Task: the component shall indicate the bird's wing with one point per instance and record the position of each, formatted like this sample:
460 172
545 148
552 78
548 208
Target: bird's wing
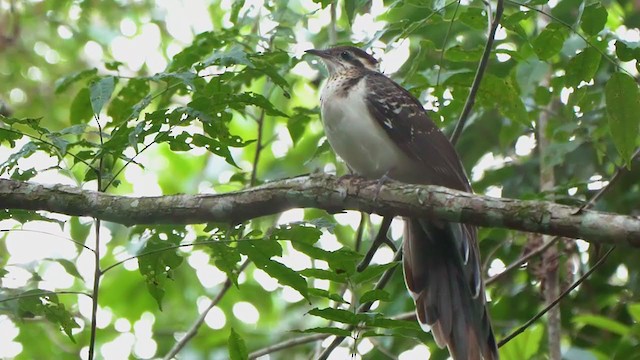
442 260
404 119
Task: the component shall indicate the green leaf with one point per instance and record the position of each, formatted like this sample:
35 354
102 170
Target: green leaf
339 315
261 251
525 345
373 295
297 233
594 18
326 294
550 41
504 95
372 272
157 263
233 56
324 274
327 330
351 8
474 17
460 54
603 323
237 347
65 82
583 67
101 91
122 106
81 109
623 106
634 311
626 52
69 266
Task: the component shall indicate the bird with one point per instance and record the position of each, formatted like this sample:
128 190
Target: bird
382 131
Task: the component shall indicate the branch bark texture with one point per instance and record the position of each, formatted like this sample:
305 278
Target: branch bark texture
331 194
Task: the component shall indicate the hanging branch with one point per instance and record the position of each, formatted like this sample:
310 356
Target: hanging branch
482 67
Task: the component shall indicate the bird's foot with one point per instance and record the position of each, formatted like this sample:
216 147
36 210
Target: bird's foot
383 179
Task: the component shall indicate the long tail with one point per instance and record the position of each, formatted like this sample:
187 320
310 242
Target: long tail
442 272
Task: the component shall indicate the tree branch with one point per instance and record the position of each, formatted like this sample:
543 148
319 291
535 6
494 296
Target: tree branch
331 194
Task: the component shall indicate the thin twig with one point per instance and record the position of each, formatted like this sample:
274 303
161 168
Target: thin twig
333 37
380 239
482 66
444 41
516 264
259 147
288 344
556 301
97 274
196 325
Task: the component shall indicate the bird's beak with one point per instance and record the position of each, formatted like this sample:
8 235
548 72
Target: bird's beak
320 53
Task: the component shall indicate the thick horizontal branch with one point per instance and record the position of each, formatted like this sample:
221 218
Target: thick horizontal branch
331 194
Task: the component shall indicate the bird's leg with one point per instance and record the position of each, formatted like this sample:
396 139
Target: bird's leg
384 178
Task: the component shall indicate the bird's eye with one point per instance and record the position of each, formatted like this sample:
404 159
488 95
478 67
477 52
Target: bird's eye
345 55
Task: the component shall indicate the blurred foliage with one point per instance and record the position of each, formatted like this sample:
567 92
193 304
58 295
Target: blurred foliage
232 103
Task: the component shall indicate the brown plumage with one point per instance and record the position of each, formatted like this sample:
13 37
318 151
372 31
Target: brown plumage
380 129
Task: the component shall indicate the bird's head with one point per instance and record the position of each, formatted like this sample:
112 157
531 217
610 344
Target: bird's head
342 58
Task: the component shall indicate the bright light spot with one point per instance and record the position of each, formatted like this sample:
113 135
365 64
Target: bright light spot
502 57
349 218
572 191
341 353
384 255
348 296
145 183
621 277
34 73
365 26
293 258
418 352
246 312
128 27
494 191
394 59
291 295
118 348
122 325
397 228
145 348
525 144
17 95
93 51
497 267
64 32
582 245
8 348
501 33
280 147
328 241
488 162
321 284
596 182
27 246
291 216
365 346
56 277
265 280
564 95
215 318
210 275
15 277
198 259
